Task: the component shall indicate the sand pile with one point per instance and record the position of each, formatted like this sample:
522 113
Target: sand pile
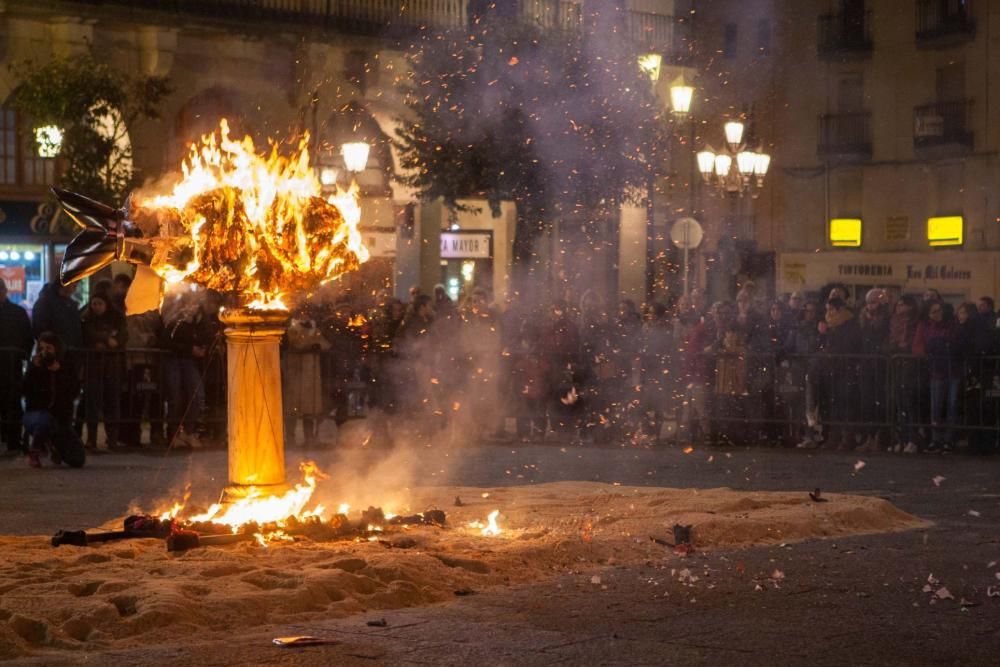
109 596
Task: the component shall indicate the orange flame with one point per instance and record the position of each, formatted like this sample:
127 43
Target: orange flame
490 528
261 508
253 224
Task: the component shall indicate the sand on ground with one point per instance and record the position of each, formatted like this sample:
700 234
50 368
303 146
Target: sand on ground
115 595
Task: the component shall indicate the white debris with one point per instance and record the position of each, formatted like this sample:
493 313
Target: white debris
595 580
974 513
944 594
937 480
859 465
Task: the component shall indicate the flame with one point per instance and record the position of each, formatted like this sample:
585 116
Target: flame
261 508
358 320
253 224
490 529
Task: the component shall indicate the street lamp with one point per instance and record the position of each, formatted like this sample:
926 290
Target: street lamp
738 169
680 98
355 154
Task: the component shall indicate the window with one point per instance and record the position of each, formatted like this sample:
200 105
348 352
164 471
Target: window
764 37
729 46
361 69
845 232
19 160
945 231
8 146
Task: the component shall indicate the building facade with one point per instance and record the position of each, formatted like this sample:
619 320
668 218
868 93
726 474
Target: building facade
881 116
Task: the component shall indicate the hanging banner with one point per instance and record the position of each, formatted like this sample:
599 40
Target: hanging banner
14 277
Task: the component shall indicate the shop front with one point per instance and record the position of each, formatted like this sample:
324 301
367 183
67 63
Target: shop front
466 262
957 275
33 237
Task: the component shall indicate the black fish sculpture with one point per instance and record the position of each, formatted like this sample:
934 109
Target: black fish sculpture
107 236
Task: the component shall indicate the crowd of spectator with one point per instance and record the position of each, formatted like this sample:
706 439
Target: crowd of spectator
910 375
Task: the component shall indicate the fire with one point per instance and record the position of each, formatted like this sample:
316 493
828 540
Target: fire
258 507
253 224
490 529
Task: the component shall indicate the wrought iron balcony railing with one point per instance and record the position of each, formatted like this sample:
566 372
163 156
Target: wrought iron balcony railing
943 124
844 35
944 22
845 136
661 33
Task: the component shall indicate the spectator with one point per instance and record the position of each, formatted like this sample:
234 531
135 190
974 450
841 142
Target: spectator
15 346
803 343
730 383
765 349
56 311
561 344
874 323
145 395
902 329
934 340
188 336
842 340
50 388
657 377
104 337
119 290
530 373
302 379
796 302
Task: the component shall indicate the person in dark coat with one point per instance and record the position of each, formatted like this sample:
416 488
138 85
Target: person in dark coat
15 346
801 374
935 340
56 311
188 335
902 329
104 337
873 397
50 388
841 342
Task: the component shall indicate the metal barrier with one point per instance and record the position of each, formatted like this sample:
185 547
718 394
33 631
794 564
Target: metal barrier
736 396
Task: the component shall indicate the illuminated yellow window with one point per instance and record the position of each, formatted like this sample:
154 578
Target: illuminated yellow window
845 232
650 64
945 231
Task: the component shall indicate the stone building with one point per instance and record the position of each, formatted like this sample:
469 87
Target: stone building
883 135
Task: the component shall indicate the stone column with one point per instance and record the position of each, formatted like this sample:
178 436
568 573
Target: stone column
256 418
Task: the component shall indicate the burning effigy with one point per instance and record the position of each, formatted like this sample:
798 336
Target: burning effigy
254 226
248 224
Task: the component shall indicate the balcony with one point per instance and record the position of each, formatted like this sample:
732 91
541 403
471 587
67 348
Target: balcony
844 36
845 137
943 126
670 36
944 23
388 18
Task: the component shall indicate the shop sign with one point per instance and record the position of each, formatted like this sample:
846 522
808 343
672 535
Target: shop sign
468 245
25 218
14 277
908 271
379 243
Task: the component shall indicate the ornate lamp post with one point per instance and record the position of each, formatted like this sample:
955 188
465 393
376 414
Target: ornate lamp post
737 169
681 96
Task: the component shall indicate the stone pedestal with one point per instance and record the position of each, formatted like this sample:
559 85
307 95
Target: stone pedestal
256 418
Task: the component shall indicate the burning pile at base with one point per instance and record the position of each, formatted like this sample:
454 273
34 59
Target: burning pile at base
258 517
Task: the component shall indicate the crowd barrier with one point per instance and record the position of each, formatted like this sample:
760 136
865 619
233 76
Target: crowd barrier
747 396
